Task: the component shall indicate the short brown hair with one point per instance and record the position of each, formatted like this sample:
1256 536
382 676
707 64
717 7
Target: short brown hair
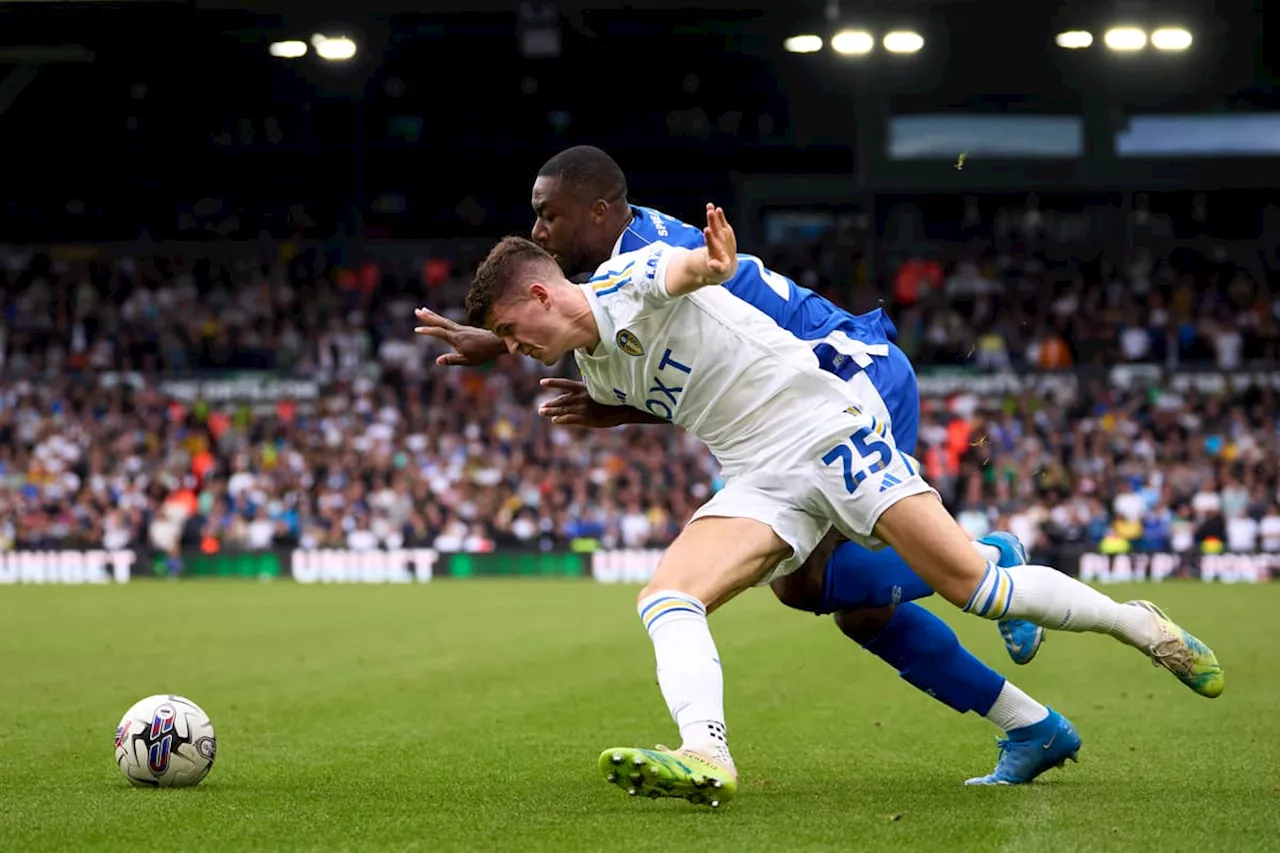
509 263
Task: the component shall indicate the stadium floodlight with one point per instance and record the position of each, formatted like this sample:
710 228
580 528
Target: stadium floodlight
803 44
851 42
288 49
1125 38
903 41
334 50
1074 39
1171 38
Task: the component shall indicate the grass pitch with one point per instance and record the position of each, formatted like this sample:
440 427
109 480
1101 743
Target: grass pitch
468 716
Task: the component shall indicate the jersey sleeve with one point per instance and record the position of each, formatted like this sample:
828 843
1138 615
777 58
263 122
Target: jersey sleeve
635 282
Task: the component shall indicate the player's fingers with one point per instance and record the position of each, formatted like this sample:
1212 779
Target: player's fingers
426 315
451 358
562 403
563 384
569 420
435 332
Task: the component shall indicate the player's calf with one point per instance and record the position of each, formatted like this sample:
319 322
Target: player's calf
930 540
713 560
864 625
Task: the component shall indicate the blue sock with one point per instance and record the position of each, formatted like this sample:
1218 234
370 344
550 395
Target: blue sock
928 655
858 577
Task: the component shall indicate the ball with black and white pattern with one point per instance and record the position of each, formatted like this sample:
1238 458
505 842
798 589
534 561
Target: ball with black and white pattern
165 741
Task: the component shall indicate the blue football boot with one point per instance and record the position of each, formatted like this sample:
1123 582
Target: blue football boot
1022 639
1029 751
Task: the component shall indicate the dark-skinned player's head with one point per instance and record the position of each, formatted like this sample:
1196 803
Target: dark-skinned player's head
580 199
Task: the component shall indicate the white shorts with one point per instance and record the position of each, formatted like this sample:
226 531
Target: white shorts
844 472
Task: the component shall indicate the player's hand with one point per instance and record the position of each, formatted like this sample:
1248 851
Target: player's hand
472 347
722 245
574 407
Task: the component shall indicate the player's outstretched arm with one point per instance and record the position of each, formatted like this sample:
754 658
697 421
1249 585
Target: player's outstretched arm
575 407
472 347
690 270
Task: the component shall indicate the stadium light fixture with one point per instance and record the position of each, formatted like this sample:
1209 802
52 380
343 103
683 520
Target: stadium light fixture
803 44
335 50
1171 38
850 42
903 41
1074 39
1125 39
288 49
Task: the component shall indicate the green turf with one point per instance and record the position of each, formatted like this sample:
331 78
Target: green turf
468 716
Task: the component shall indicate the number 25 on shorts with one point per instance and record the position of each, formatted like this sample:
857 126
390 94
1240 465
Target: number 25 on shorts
866 443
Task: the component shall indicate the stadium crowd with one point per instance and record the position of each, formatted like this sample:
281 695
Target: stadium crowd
394 452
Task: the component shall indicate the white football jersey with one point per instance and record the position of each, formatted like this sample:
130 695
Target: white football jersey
708 362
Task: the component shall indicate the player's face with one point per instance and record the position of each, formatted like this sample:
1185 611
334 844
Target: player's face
528 326
567 227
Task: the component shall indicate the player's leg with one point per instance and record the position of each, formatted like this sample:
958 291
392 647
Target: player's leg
1022 639
928 655
843 575
889 385
890 392
712 560
928 538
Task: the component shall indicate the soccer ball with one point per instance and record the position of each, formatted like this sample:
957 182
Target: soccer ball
165 742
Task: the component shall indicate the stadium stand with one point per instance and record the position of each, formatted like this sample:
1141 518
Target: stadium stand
106 440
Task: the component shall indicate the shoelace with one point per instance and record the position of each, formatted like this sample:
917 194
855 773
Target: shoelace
1173 655
661 748
1003 744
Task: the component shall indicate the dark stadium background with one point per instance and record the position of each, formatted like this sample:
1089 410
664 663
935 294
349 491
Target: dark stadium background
1087 324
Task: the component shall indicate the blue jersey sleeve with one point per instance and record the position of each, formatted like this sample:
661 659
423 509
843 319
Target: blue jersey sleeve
653 226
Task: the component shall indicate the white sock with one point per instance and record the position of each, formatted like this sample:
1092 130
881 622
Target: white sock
688 670
990 553
1047 597
1014 709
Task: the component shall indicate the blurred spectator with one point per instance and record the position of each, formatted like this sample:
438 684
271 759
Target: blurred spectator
398 454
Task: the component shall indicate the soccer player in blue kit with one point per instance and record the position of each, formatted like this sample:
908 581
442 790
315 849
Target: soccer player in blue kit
583 220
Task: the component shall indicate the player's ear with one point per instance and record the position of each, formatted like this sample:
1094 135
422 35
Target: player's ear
599 209
540 294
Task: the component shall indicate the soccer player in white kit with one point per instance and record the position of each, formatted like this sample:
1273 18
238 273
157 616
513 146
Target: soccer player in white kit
798 454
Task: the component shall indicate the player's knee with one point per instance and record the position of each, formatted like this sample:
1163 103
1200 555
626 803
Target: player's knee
804 589
863 625
800 590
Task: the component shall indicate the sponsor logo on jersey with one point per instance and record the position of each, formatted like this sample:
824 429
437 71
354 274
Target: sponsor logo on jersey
658 224
629 343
